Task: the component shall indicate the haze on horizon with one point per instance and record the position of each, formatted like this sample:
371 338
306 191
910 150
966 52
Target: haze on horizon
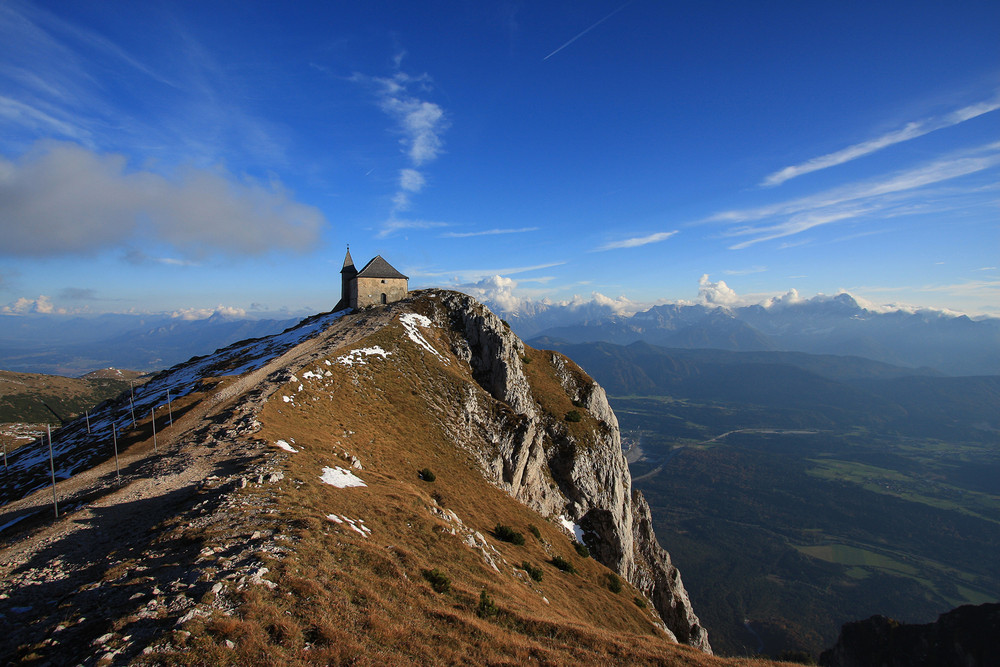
157 157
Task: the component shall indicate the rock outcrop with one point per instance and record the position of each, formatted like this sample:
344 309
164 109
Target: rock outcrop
968 636
535 457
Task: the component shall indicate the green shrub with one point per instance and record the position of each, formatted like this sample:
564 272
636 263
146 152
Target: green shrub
563 564
426 475
582 549
533 529
487 608
438 580
533 572
577 403
614 583
573 416
508 534
526 360
639 602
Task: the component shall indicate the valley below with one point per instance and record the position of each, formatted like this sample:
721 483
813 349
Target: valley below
784 534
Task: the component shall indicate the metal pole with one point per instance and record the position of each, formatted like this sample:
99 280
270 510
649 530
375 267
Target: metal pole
5 453
170 413
52 467
131 405
152 417
114 436
87 414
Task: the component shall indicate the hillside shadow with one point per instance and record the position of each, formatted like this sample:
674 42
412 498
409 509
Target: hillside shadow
114 566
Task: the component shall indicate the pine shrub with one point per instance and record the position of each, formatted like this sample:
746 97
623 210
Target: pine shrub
438 580
426 474
533 529
562 564
487 608
508 534
582 550
573 416
614 583
533 572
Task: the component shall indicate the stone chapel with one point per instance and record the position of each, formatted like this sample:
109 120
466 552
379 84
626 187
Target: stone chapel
378 283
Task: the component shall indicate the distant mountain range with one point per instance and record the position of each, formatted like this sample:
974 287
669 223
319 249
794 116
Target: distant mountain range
928 339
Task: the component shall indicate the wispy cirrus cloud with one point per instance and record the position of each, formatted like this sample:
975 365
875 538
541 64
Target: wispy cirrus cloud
420 124
390 227
905 133
488 232
472 275
889 196
635 242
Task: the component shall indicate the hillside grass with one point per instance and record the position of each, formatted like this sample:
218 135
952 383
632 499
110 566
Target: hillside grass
344 598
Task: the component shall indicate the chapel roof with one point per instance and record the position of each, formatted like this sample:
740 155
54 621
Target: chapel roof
379 268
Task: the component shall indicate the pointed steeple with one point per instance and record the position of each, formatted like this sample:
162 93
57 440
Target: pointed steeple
348 262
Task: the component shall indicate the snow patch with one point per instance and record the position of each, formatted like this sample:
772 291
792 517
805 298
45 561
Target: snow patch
340 478
288 448
357 525
358 356
572 527
410 322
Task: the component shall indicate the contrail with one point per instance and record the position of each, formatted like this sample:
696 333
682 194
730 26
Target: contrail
588 30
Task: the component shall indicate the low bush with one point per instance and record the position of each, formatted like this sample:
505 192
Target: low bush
562 564
438 580
614 583
487 608
573 416
533 529
426 475
639 602
533 572
508 534
577 403
582 549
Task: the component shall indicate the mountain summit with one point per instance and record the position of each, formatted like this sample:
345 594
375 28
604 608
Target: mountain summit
402 484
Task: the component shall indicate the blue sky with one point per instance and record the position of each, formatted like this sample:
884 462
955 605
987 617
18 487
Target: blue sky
193 156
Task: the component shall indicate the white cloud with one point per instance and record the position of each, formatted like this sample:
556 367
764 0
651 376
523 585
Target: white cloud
888 196
42 305
421 124
488 232
717 294
906 133
637 241
204 313
473 275
61 198
411 180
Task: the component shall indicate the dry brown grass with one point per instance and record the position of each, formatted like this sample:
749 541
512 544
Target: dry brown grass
342 598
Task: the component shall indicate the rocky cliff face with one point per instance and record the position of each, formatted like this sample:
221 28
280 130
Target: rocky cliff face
581 477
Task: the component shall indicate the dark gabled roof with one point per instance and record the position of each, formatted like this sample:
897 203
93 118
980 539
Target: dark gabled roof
379 268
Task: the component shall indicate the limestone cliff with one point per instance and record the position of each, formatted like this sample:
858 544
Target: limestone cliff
538 460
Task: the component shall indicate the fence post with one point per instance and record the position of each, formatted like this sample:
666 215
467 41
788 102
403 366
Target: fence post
87 414
114 436
170 413
152 417
52 467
